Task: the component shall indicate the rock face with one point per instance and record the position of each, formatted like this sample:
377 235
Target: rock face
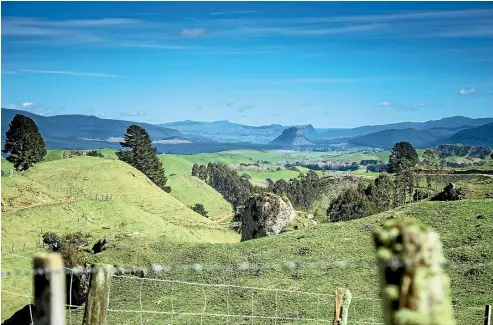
264 215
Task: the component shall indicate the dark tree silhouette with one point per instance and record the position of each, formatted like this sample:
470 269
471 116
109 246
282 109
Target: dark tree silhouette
142 155
199 208
403 156
24 143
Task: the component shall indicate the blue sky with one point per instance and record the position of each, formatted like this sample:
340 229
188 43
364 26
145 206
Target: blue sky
331 64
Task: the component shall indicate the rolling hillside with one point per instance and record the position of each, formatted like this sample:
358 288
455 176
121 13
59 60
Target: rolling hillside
463 233
386 139
82 178
480 136
191 190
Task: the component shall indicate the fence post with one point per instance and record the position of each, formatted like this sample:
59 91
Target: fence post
487 315
343 300
49 290
98 297
413 285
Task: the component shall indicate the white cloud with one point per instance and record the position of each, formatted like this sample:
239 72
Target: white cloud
419 105
384 104
27 104
193 32
134 113
465 91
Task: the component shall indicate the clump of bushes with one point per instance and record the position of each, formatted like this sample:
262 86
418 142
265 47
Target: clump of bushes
94 153
449 193
199 208
52 240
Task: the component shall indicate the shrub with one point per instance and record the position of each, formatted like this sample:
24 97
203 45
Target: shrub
199 208
50 238
449 193
94 153
351 204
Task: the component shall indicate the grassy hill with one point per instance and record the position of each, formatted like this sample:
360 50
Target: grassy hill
465 239
464 234
190 190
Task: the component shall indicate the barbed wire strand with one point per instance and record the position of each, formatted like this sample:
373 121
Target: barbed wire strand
242 266
236 286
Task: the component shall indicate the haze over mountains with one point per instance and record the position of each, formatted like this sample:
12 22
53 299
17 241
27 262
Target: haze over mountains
82 131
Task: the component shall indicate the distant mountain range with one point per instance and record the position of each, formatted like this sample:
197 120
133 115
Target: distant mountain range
225 131
474 136
88 132
453 122
418 133
292 137
479 136
69 131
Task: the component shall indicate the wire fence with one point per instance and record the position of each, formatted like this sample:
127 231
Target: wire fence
145 295
162 301
135 300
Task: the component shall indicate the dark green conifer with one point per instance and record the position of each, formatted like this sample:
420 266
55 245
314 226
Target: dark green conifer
24 143
142 155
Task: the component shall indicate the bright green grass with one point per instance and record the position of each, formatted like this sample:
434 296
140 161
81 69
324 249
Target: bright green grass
191 190
53 155
108 153
6 166
382 156
174 164
362 171
465 239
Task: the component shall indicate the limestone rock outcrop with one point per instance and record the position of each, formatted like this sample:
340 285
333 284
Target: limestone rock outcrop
264 215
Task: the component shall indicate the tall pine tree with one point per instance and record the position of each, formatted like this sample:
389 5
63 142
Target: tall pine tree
403 156
142 155
24 143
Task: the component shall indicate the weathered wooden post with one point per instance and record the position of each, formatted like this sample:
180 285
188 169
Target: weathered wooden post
343 300
487 315
98 297
413 285
49 290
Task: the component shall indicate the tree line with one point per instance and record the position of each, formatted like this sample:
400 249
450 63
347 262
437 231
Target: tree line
389 190
234 188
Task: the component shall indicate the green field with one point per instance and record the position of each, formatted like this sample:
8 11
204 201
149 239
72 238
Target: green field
145 226
465 239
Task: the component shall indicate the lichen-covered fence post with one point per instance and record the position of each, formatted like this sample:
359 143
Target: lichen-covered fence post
98 297
49 290
343 300
413 285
